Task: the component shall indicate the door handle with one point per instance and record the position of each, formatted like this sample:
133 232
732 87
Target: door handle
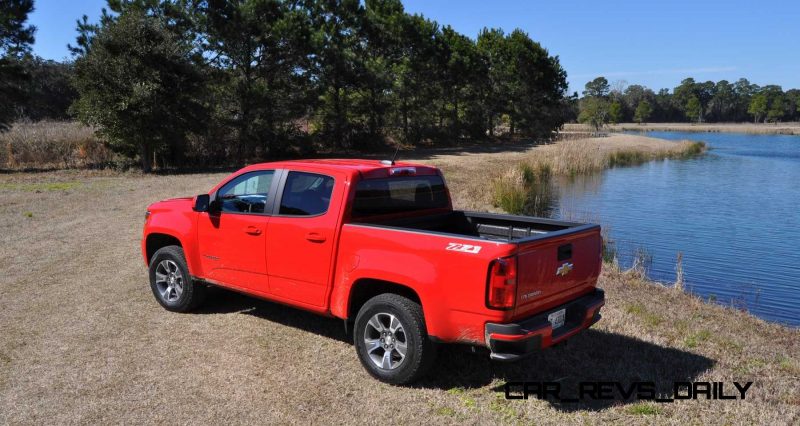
315 237
252 230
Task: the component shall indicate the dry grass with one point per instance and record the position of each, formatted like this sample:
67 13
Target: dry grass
590 155
51 145
752 128
83 341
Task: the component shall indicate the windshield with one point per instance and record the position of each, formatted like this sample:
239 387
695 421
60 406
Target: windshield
399 195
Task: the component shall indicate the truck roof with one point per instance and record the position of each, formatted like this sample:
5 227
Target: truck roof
356 165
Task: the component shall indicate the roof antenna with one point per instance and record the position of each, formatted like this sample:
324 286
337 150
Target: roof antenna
391 162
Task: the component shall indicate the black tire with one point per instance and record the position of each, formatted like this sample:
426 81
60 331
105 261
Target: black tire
192 294
420 350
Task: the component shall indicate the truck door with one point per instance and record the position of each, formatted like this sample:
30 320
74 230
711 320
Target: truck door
300 240
232 241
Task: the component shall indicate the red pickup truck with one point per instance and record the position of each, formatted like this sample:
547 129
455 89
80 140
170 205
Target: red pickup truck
378 244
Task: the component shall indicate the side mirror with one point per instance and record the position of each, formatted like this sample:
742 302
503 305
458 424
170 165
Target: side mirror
201 203
214 207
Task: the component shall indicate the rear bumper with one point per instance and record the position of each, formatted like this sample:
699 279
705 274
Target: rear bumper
513 341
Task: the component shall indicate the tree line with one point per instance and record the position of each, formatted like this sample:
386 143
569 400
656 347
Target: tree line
175 82
691 101
238 80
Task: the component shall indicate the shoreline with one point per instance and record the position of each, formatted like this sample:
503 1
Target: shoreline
464 165
745 128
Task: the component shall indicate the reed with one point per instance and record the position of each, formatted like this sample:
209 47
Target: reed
679 273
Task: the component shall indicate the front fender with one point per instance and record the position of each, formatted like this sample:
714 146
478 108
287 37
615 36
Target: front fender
179 225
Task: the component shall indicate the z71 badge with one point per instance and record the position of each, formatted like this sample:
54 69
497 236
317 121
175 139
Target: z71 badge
465 248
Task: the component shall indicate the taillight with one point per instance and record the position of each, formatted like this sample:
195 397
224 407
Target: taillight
602 247
502 283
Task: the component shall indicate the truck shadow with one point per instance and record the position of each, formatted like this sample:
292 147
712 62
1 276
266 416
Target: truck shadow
591 356
222 301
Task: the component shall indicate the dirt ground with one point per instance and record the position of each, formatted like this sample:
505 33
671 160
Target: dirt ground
82 339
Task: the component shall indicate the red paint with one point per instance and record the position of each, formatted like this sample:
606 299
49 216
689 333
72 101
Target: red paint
313 262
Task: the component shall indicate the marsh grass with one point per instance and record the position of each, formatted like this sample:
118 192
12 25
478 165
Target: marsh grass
610 252
510 191
527 187
586 156
626 158
642 261
693 149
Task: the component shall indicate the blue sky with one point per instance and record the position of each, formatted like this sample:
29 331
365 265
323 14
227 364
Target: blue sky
650 42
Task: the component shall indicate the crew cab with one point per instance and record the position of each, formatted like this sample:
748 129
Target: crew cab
379 245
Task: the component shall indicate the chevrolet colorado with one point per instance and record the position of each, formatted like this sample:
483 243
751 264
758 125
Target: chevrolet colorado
379 245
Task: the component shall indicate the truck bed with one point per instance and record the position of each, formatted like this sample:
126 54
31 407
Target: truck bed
486 226
556 261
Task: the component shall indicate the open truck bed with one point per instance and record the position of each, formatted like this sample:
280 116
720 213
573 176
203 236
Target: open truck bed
554 260
488 226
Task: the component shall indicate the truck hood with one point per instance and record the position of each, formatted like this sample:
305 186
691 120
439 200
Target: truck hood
182 203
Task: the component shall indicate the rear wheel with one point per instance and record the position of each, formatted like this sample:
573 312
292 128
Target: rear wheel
391 340
171 283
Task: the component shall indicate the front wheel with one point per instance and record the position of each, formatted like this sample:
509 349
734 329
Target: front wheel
391 340
171 283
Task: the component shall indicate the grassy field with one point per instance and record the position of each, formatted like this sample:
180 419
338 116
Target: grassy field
83 341
752 128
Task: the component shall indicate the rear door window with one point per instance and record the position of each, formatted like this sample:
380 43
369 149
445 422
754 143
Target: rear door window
306 194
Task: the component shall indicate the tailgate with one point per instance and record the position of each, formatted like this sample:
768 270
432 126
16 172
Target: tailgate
557 267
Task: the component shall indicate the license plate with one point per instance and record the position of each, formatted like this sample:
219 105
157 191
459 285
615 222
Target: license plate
557 318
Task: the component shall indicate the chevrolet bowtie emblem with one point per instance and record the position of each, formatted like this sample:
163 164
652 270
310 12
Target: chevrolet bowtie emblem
564 269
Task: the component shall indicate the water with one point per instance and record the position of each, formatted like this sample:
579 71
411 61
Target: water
733 213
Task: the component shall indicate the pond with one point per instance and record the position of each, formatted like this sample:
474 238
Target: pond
734 214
